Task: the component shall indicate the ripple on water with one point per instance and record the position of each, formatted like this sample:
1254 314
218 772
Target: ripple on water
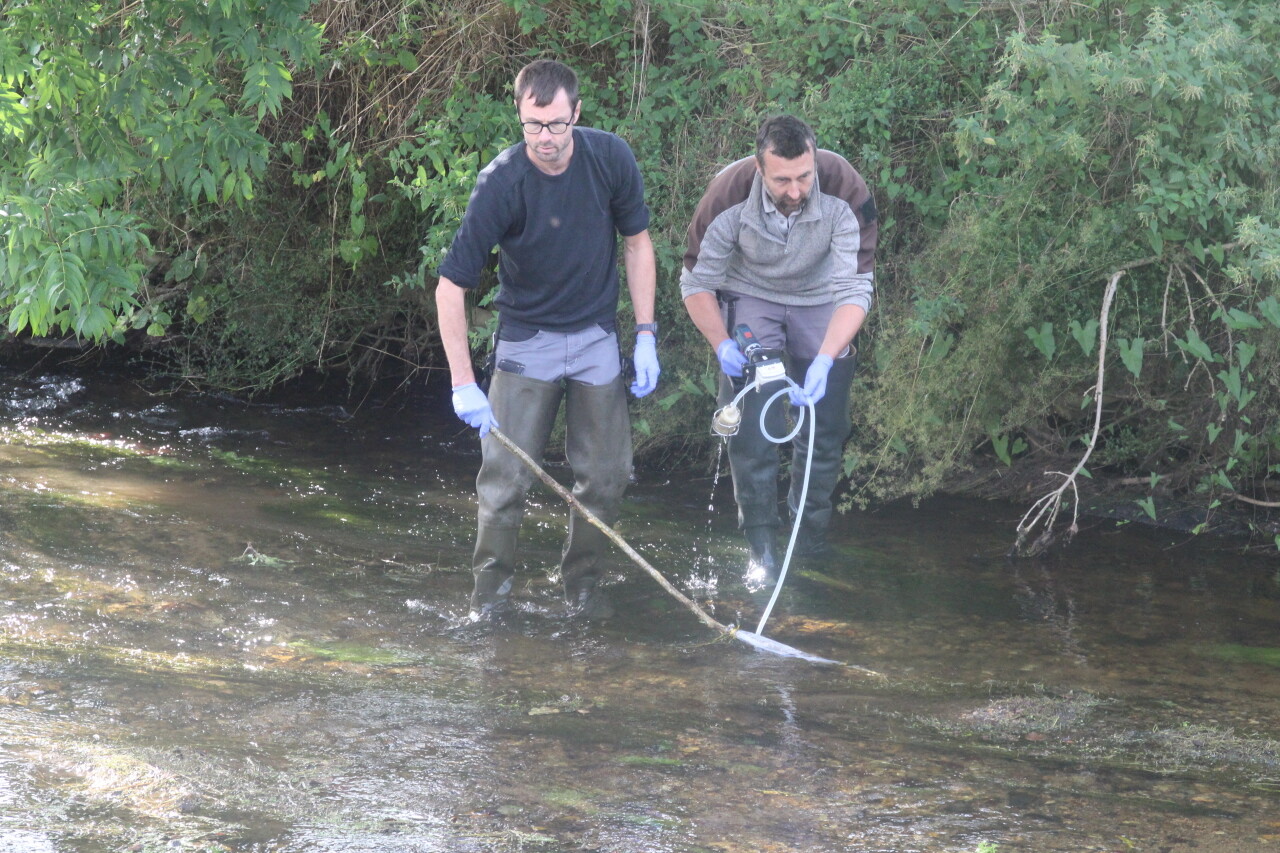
325 695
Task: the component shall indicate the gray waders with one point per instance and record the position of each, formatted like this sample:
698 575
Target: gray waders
753 460
598 447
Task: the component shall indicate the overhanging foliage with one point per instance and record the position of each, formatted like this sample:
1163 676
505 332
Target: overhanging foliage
261 197
102 110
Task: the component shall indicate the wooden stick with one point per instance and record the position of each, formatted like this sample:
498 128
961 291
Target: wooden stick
751 638
702 615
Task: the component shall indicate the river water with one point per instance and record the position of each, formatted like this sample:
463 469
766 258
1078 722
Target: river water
238 626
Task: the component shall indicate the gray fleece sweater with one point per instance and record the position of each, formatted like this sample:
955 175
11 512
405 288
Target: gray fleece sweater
827 256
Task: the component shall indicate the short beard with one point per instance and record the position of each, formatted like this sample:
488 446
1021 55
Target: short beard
787 207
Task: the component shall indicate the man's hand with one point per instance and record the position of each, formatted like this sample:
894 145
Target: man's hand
815 383
470 404
646 362
732 361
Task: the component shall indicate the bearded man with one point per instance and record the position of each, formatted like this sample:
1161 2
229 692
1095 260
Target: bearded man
784 242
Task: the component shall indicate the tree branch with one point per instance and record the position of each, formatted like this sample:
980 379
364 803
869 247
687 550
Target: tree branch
1254 501
1047 508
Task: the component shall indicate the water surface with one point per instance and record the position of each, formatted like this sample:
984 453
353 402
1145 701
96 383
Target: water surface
239 626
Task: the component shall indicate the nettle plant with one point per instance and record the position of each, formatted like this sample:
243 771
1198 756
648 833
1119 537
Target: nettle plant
1175 137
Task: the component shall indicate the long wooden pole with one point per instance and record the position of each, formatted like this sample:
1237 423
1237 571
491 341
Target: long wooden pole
749 637
528 460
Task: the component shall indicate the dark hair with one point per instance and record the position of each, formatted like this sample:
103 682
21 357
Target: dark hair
786 136
542 79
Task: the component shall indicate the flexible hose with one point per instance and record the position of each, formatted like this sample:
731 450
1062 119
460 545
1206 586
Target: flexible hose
809 415
751 638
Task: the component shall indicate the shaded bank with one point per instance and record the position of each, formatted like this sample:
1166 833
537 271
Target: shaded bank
257 231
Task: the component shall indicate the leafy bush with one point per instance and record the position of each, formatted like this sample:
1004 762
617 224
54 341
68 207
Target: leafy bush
213 174
101 111
1157 157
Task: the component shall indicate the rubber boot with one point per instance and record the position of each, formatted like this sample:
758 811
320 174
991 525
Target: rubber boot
526 411
598 447
831 430
765 563
493 565
753 462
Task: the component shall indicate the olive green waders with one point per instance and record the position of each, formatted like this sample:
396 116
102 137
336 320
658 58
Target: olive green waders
753 465
598 448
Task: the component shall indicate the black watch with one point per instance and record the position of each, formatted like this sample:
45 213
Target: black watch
647 327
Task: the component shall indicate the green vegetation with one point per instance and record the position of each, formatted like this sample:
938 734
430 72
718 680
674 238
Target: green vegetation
650 760
122 126
1234 653
258 189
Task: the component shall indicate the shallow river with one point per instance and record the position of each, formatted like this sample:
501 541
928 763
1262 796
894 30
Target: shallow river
234 626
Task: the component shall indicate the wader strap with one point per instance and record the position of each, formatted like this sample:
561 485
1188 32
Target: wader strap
730 303
729 300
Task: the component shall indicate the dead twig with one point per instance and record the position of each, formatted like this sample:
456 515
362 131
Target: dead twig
1044 512
1236 496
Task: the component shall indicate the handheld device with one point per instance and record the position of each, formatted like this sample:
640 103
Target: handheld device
765 364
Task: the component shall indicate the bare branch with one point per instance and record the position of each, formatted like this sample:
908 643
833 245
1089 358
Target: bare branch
1047 508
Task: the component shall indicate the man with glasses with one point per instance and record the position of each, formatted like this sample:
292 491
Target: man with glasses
784 242
554 205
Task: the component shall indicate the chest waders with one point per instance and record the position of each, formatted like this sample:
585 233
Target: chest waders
832 425
598 449
755 639
754 465
755 478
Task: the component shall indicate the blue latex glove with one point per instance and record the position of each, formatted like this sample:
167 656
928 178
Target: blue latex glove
815 383
732 361
646 361
470 404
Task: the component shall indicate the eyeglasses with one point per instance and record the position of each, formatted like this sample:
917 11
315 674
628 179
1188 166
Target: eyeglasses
533 128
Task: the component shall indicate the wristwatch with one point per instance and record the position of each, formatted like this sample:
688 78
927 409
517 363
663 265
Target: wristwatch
647 327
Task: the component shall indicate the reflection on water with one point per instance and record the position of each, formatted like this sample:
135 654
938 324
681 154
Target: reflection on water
227 626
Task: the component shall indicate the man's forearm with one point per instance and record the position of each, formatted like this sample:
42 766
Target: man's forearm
451 314
642 275
844 325
704 310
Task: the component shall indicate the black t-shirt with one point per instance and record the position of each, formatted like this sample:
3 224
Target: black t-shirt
557 235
